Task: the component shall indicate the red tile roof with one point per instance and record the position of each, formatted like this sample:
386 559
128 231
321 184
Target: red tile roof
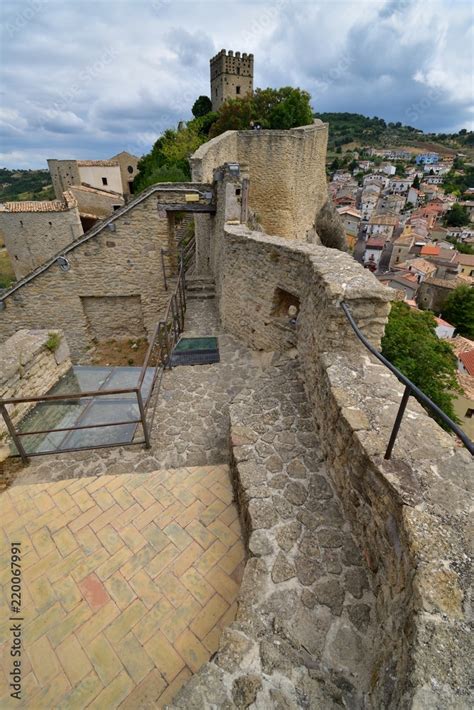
429 250
467 359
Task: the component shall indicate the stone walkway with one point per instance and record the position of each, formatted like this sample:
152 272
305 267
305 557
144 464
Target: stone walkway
127 582
304 630
191 425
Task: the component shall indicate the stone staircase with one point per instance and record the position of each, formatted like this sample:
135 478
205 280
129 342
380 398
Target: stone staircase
200 287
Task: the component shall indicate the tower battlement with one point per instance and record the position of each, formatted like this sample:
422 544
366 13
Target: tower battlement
231 76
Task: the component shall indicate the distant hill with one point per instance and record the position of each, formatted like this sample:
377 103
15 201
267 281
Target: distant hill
25 185
353 128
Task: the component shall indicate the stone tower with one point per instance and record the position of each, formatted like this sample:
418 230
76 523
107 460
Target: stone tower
231 76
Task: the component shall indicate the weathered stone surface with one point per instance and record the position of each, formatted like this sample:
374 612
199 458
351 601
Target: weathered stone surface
330 593
245 689
282 569
287 535
359 614
296 493
356 581
233 648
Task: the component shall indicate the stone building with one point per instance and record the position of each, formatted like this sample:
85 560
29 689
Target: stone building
115 175
231 76
109 284
35 231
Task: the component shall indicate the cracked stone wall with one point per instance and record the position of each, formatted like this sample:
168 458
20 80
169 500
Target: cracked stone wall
29 368
409 515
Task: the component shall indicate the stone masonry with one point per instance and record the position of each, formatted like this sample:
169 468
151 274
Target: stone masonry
118 258
29 368
35 231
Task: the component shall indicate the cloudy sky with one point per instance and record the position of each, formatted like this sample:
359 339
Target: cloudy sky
88 78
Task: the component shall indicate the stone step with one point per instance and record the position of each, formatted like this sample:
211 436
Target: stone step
200 294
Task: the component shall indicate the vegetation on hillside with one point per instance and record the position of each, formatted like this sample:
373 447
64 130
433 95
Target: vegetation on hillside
458 310
270 108
25 185
411 344
345 128
455 182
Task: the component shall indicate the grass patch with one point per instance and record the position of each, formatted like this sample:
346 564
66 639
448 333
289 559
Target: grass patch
53 342
7 275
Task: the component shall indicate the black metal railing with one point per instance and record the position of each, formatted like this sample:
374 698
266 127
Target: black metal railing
157 359
411 390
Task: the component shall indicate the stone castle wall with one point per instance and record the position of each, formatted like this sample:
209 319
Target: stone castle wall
120 260
33 237
409 515
28 369
286 171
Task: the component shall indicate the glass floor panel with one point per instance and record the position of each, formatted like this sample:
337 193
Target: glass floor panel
73 412
195 351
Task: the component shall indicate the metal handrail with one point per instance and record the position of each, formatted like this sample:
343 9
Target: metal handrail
410 390
165 334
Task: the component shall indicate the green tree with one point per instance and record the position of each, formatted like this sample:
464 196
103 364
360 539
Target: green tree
416 182
457 216
202 106
459 310
411 344
271 108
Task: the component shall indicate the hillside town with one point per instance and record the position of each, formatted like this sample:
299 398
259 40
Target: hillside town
395 210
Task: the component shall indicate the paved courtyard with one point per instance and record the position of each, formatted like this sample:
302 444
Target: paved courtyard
127 581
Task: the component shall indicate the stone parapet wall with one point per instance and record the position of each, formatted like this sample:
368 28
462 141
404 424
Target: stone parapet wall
286 171
409 515
29 369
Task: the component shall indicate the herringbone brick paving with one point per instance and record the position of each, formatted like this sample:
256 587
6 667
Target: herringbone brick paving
127 581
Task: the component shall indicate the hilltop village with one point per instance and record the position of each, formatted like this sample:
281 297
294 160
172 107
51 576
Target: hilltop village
216 491
404 224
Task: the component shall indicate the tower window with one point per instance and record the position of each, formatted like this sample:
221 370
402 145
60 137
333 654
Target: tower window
104 181
237 89
238 70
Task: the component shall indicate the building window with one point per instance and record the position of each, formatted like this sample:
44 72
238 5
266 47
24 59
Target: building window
237 89
104 181
130 168
238 70
470 413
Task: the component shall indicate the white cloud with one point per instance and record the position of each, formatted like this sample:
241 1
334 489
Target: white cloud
91 78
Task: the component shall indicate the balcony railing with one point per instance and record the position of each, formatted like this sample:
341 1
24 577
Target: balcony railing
411 390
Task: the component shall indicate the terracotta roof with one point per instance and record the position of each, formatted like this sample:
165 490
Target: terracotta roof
420 264
429 250
97 164
440 321
462 345
467 359
375 243
384 219
40 205
466 259
445 283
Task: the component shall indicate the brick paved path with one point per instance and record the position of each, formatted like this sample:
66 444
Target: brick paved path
127 583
